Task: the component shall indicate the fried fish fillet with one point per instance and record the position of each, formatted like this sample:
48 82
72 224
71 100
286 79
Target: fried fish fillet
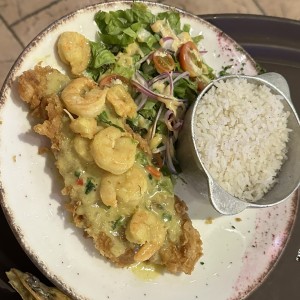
131 216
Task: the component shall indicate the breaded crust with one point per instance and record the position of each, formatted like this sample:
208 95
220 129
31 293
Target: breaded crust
48 108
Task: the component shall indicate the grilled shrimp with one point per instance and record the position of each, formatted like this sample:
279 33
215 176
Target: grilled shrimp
146 229
126 188
121 100
74 49
84 98
114 150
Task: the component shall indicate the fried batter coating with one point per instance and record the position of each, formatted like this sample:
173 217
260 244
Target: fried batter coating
39 88
36 84
177 255
182 258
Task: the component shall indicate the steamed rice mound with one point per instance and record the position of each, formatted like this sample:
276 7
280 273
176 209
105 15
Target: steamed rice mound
241 135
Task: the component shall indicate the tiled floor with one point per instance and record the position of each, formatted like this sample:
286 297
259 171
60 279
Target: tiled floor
21 21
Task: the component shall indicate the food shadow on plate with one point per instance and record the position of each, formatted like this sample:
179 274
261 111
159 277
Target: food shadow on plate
197 199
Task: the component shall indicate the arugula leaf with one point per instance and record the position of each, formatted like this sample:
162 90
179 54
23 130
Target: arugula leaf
103 117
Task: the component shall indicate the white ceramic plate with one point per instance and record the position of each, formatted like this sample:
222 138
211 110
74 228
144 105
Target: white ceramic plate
239 250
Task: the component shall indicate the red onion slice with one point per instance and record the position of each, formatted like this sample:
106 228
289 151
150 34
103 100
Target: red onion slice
166 42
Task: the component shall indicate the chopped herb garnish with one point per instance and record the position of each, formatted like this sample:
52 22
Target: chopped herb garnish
224 70
239 49
159 206
90 186
77 174
118 223
201 263
166 217
103 117
260 69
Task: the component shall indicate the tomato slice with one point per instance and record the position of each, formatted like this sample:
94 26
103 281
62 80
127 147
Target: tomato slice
190 59
153 171
163 61
200 85
108 79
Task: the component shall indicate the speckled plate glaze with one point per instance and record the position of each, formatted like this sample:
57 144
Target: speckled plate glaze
239 251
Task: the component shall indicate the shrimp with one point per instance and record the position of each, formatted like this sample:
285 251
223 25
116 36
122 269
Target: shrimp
74 49
84 98
113 150
82 148
121 100
86 127
126 188
146 229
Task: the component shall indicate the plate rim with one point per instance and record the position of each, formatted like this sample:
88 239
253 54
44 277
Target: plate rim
7 85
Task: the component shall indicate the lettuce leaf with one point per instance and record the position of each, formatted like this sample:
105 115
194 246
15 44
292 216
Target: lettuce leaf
101 60
119 28
173 19
185 89
100 55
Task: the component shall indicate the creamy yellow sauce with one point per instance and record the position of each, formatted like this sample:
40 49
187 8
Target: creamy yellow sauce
146 271
101 218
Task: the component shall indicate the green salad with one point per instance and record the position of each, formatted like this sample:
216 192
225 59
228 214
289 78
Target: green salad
158 61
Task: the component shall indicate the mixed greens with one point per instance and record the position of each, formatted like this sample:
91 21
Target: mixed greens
158 61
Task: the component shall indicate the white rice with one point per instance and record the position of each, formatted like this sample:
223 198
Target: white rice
241 135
